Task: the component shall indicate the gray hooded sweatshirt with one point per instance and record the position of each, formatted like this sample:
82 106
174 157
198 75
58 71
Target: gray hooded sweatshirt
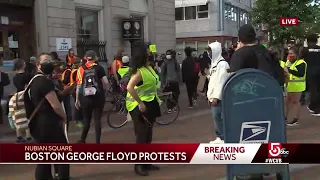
170 71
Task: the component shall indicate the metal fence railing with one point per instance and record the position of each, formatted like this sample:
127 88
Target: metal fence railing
98 46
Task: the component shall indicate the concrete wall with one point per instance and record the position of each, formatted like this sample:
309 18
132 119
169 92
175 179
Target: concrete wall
164 24
54 19
57 18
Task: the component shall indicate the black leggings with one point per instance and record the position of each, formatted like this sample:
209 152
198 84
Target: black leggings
43 171
143 128
192 92
95 107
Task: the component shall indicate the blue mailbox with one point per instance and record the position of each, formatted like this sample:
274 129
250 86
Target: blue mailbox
253 112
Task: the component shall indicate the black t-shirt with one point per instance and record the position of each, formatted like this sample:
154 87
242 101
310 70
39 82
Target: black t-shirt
46 120
257 57
244 58
20 80
100 72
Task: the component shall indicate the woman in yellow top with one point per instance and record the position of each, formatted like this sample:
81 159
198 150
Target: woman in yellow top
142 101
296 83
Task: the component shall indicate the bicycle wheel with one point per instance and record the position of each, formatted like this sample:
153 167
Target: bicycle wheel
117 117
168 116
110 97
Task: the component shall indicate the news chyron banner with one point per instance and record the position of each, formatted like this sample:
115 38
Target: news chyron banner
273 153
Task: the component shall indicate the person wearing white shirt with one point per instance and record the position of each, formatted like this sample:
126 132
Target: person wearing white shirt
217 77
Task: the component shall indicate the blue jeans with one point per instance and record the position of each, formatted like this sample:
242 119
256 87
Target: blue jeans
217 118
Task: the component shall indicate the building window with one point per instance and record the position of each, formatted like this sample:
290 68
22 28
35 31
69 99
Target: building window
192 12
87 25
203 11
243 17
179 14
202 46
180 51
190 44
231 12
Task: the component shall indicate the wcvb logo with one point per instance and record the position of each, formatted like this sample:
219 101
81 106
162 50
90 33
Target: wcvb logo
287 21
276 150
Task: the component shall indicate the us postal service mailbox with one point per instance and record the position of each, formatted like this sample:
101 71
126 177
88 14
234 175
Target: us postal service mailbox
252 109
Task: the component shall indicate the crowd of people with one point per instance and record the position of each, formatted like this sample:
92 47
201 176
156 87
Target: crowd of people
57 92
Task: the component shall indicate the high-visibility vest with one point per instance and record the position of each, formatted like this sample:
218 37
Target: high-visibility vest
147 91
282 64
118 66
71 60
122 71
63 76
296 84
72 80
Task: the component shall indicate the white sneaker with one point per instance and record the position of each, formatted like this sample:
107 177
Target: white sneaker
217 141
311 111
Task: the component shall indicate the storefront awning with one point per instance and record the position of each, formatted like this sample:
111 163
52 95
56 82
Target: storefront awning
185 3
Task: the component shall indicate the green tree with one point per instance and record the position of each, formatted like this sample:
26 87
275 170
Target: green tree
269 12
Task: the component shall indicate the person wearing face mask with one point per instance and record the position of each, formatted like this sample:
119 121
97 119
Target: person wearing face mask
218 75
142 101
170 78
297 69
47 125
190 70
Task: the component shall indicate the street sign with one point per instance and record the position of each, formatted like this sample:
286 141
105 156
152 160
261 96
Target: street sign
153 48
63 44
252 109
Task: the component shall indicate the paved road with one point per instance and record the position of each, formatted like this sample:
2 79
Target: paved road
194 125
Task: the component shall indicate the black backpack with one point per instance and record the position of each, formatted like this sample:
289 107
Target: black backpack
271 66
90 82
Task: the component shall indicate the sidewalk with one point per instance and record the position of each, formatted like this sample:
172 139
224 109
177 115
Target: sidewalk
7 133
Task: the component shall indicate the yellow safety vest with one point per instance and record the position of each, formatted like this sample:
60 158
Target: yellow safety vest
122 71
147 91
282 64
73 81
296 84
63 76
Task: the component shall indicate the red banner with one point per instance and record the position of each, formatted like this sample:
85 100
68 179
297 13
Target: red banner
97 153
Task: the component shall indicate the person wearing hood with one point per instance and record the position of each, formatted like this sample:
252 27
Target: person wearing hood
170 78
190 71
218 74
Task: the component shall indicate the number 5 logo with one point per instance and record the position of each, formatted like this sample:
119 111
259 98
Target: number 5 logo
274 149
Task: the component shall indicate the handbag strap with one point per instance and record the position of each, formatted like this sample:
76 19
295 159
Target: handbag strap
40 103
36 109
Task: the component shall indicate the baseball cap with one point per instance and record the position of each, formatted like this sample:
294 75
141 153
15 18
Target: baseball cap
125 59
247 34
91 55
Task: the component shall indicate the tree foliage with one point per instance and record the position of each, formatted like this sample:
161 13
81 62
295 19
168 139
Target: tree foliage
269 12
